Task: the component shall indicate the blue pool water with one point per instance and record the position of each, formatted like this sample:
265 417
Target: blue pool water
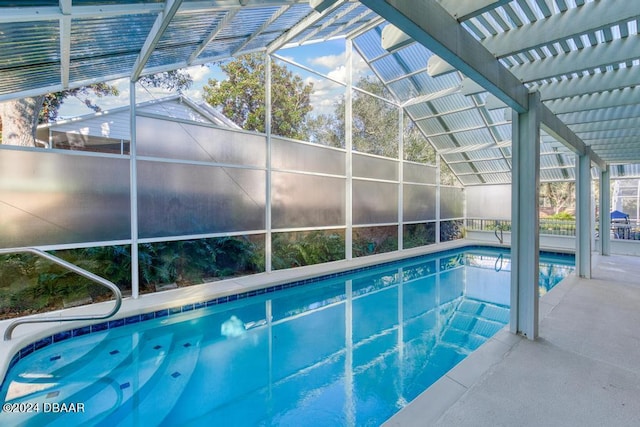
350 350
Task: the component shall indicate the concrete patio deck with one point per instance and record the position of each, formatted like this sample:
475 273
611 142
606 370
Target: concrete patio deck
584 370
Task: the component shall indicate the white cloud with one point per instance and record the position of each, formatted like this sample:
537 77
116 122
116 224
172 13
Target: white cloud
199 73
328 61
339 73
337 68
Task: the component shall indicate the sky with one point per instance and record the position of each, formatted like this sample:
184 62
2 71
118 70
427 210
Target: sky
326 58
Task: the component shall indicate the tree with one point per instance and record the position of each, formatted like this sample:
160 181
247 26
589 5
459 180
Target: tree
560 196
374 126
19 118
375 122
242 96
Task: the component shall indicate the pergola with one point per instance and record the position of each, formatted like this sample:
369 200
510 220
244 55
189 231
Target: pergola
506 91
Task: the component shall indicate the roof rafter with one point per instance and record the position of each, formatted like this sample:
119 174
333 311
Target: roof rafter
157 31
301 26
263 27
622 124
65 42
589 58
30 14
574 22
431 25
605 114
467 9
598 82
212 35
596 101
330 21
348 24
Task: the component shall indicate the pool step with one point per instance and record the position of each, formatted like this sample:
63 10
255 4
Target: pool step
486 310
472 323
155 399
43 386
117 389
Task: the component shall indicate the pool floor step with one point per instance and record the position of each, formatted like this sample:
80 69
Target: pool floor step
45 362
155 400
45 387
119 387
100 386
68 367
475 324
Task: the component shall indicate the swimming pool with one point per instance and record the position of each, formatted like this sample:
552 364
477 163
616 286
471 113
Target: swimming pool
347 350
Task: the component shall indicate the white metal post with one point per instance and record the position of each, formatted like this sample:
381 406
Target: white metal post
133 183
438 181
400 179
267 125
525 242
348 126
583 215
605 208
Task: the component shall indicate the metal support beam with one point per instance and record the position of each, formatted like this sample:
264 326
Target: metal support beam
525 242
431 25
212 35
65 42
400 178
583 216
133 182
438 194
157 31
328 22
326 8
348 143
268 250
394 39
561 132
259 31
467 9
605 207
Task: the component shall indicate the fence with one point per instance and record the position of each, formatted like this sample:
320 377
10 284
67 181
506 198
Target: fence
555 227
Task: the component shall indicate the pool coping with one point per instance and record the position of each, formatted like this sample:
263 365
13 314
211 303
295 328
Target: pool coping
31 337
431 404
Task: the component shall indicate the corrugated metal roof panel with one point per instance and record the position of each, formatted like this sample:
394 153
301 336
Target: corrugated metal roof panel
110 37
470 180
453 102
291 17
497 178
29 43
432 126
472 137
461 168
491 166
463 120
190 28
487 153
442 142
370 44
404 89
30 78
418 111
552 175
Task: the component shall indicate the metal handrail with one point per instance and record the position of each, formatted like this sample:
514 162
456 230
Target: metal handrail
97 279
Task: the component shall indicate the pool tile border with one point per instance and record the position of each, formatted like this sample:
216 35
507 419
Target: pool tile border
173 311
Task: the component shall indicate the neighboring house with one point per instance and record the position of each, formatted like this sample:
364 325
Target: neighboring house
110 131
